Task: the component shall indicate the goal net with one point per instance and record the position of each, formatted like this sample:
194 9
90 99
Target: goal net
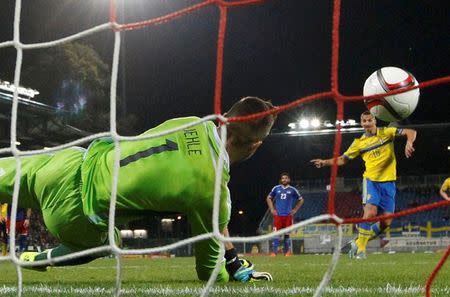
224 8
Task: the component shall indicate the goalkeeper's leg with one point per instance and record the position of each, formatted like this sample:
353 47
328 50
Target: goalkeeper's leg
71 241
59 251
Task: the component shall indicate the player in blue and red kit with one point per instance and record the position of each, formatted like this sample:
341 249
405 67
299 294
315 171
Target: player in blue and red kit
280 201
23 216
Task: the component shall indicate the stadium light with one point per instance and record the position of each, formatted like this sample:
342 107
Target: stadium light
179 218
7 86
140 233
304 123
340 123
241 212
315 123
126 234
328 124
448 147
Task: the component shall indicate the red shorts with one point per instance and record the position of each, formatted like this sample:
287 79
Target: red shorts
280 222
20 228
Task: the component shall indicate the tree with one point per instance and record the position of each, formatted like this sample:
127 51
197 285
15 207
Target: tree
74 78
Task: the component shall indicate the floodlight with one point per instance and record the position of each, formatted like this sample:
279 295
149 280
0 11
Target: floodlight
304 123
315 123
351 122
328 124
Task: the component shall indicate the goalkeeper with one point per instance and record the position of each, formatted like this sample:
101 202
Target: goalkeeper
171 173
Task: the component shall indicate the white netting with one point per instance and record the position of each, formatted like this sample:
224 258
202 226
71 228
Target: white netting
116 250
112 247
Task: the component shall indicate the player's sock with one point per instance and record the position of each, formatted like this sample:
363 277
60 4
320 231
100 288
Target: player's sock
275 244
363 237
375 227
377 230
23 243
287 244
232 261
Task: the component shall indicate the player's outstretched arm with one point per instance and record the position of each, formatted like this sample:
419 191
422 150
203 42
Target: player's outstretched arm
410 138
319 163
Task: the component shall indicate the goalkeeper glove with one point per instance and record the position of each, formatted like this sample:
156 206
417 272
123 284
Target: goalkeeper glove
246 263
243 274
246 273
242 270
260 276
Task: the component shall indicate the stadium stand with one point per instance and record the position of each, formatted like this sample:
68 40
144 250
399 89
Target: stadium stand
348 205
39 125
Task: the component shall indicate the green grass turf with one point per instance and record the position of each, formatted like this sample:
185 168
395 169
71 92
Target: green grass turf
379 275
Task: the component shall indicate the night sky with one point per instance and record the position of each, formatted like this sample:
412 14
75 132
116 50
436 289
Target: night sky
279 51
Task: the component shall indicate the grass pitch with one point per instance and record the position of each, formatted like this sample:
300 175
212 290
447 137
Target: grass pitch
379 275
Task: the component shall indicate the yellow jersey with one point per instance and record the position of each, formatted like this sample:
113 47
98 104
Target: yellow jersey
377 152
446 185
4 210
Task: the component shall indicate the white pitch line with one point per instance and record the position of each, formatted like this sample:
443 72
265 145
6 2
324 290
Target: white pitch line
259 265
392 290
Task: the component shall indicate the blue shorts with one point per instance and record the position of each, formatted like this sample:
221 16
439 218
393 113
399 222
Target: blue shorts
381 194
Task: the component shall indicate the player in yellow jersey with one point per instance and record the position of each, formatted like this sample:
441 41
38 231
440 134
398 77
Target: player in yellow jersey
376 148
445 189
3 236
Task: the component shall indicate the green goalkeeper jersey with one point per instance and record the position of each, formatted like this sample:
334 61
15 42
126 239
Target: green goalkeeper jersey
170 173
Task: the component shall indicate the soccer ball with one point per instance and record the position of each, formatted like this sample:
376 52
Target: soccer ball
396 107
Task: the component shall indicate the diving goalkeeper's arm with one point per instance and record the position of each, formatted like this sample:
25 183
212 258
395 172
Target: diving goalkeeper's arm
207 253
